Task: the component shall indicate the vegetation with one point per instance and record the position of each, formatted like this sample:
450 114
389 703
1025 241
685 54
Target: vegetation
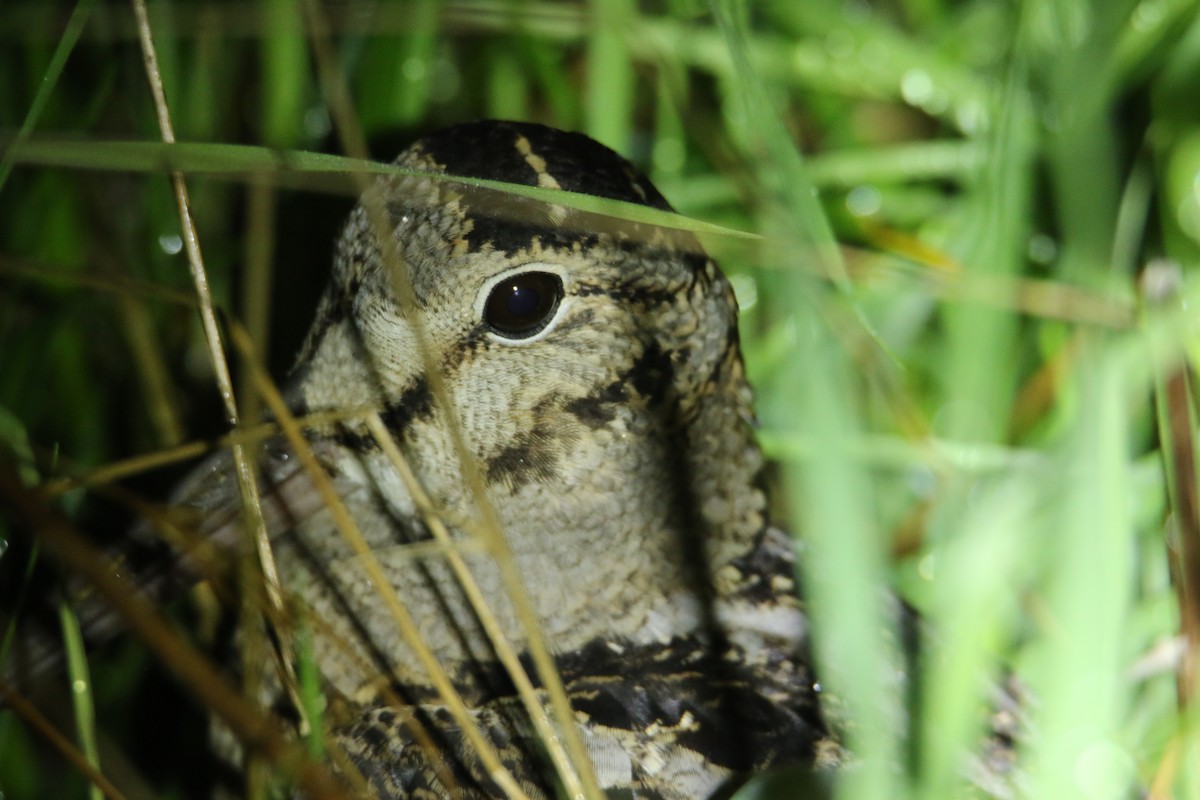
967 316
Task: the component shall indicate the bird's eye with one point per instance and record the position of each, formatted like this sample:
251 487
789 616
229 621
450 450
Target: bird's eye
523 304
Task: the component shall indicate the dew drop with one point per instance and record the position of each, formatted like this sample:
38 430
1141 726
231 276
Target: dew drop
1042 249
1187 213
1148 16
171 243
971 117
316 122
864 201
916 87
414 68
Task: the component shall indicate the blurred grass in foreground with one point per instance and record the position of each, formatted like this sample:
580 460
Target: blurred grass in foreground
954 371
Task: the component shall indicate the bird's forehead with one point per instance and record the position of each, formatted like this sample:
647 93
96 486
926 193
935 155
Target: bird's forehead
454 235
534 155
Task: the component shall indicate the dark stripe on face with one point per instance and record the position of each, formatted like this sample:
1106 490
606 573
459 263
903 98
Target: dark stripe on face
520 463
356 441
653 373
535 453
596 410
472 342
628 293
531 458
416 402
651 376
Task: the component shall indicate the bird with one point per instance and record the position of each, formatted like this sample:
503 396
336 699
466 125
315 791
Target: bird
582 372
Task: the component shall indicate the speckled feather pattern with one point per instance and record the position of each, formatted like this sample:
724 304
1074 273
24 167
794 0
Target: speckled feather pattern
617 449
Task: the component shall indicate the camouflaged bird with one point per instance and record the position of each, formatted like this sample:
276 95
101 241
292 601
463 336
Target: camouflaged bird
593 368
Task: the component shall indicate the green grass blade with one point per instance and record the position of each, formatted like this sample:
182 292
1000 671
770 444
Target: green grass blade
610 90
54 69
81 691
245 160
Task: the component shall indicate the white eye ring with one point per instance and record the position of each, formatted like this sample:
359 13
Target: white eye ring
507 324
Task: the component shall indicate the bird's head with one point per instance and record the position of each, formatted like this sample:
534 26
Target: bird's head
579 370
575 349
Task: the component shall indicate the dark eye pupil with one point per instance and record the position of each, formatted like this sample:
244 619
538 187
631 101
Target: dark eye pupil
521 305
523 301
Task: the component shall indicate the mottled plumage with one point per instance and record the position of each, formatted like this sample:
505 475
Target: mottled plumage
611 424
